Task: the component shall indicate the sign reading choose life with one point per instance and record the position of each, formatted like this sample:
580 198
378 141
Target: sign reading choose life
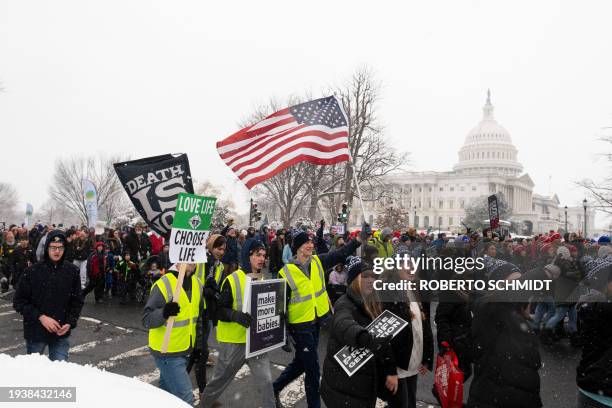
190 228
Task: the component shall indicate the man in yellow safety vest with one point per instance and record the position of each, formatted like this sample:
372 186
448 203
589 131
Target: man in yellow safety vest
210 274
308 305
231 335
172 365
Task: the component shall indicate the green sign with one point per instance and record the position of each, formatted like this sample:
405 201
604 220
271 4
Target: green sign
190 228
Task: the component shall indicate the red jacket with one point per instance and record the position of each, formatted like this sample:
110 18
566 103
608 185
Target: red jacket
157 243
93 266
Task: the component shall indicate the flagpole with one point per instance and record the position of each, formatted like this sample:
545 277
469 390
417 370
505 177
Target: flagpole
358 189
351 159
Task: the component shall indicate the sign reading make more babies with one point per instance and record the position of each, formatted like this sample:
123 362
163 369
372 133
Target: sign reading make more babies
266 305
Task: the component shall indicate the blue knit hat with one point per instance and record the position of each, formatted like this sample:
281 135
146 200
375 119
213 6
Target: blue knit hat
604 240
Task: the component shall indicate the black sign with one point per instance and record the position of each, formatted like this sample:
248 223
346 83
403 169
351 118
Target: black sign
352 359
493 212
154 184
267 307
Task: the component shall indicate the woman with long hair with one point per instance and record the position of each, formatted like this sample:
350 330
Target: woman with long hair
412 348
354 312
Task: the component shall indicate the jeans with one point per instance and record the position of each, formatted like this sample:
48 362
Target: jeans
306 360
560 314
58 348
173 377
544 308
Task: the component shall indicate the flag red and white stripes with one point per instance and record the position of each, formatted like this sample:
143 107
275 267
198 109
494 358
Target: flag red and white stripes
314 131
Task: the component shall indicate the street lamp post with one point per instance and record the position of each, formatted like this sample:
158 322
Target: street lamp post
414 219
566 218
584 205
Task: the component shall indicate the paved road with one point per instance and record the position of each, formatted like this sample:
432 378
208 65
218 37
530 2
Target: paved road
110 336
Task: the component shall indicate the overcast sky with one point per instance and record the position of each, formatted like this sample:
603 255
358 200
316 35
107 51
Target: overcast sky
152 77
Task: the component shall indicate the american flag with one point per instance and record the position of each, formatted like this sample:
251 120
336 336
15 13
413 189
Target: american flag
314 131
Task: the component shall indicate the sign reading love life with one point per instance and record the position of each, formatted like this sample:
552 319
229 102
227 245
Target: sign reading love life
190 228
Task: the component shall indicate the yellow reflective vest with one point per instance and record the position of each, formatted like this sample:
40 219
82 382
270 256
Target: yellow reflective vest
309 298
183 334
232 332
200 273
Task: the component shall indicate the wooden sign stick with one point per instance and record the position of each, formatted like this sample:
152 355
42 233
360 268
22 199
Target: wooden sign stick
175 296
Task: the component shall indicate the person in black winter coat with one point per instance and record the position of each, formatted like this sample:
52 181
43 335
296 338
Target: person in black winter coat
231 256
454 323
138 244
354 312
454 316
321 245
22 258
594 371
49 298
276 253
412 348
506 349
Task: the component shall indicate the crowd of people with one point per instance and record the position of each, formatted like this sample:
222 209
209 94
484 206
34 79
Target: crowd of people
330 286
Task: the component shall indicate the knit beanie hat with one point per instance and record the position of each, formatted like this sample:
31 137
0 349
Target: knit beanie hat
298 240
354 266
604 251
564 253
386 232
604 240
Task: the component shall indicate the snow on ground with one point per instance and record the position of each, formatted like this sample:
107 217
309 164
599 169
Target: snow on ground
94 387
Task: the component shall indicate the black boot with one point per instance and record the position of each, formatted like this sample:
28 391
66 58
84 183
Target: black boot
277 400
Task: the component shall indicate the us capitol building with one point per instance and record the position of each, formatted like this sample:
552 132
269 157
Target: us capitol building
488 164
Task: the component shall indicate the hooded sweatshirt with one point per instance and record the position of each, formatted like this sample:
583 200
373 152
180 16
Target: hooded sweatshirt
52 289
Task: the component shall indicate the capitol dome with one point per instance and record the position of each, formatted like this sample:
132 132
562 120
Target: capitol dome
488 147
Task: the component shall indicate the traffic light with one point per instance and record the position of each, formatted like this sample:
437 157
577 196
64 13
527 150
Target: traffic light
255 214
343 215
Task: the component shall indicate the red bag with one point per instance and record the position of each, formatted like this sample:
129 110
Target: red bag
448 379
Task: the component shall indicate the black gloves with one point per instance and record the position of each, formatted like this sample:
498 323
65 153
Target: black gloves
243 319
171 309
374 344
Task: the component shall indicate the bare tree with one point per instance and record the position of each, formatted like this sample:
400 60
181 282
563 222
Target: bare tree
225 206
8 202
301 189
372 154
600 191
393 217
67 187
288 189
53 213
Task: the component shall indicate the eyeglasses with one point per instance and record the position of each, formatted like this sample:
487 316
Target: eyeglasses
56 248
